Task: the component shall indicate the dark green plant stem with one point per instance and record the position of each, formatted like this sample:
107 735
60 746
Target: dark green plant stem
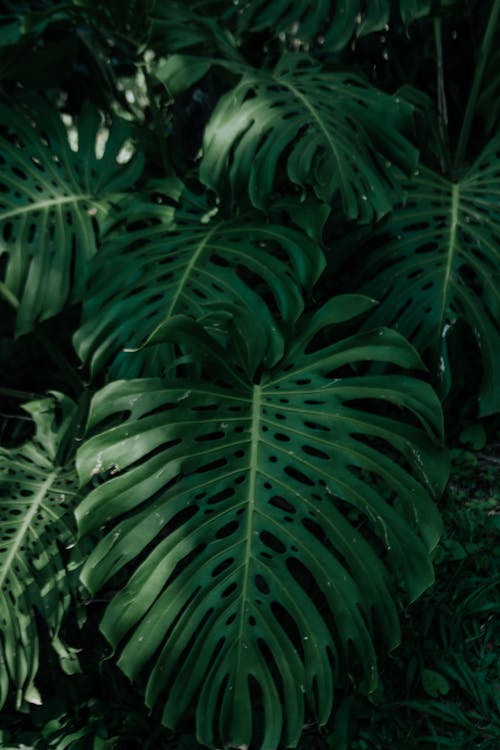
477 80
441 94
72 377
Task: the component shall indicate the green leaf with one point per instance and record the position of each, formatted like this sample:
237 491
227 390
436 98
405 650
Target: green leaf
129 20
169 252
335 133
413 9
259 523
333 26
180 72
475 436
49 194
38 487
176 28
434 683
436 262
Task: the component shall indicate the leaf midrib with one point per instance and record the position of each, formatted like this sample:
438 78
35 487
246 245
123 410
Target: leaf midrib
305 101
185 276
454 221
32 207
23 528
252 468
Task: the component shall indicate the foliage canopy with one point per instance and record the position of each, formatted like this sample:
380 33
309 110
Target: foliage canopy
248 251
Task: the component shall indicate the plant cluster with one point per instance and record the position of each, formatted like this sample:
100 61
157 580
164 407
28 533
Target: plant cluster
249 296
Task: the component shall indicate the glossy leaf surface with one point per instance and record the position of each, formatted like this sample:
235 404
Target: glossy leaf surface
260 524
332 131
168 253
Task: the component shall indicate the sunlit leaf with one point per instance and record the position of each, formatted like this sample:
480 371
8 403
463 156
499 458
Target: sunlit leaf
332 132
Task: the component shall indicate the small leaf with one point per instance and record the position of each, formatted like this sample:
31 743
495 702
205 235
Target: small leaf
434 683
475 436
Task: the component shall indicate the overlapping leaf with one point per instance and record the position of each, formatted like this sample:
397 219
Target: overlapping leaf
48 197
438 262
178 256
334 23
177 27
38 486
332 132
258 521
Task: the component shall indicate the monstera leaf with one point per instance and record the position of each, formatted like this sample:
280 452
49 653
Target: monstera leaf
335 23
333 131
48 197
438 262
258 517
38 486
178 256
177 27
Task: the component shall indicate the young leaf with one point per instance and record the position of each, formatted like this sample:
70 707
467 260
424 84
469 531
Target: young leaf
48 196
333 131
38 487
260 522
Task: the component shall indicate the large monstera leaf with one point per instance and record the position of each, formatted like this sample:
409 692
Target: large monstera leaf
334 23
255 524
169 252
49 194
38 487
332 131
438 263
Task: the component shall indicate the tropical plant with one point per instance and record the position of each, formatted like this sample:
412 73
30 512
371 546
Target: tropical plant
38 491
247 251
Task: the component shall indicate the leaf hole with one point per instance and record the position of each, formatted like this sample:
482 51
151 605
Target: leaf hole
261 584
298 475
279 502
229 590
316 452
227 530
222 567
272 541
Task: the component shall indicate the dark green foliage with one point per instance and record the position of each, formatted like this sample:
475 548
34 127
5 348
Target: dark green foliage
249 271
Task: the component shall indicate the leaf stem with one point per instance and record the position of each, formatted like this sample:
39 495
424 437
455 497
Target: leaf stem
477 80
